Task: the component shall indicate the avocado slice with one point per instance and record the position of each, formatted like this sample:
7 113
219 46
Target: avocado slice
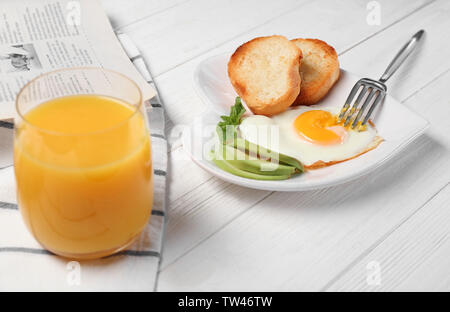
228 167
262 152
241 160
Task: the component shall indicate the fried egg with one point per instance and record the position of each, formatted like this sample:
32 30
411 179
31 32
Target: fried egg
310 135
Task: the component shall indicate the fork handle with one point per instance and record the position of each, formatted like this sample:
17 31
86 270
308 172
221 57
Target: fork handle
401 56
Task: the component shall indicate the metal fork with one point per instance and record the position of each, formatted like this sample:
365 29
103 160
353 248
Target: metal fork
374 88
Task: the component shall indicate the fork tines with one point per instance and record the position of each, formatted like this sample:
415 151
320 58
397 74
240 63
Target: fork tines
372 92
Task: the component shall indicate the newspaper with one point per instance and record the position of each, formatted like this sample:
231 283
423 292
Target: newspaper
38 36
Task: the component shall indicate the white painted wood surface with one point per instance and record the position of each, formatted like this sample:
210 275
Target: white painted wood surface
224 237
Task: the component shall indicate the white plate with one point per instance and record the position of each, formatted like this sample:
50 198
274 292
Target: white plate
396 123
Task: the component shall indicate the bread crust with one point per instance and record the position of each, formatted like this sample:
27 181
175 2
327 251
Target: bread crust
246 89
319 70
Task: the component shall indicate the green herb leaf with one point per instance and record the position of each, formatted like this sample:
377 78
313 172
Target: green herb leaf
231 122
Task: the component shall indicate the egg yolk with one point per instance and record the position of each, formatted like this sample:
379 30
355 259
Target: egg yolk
318 126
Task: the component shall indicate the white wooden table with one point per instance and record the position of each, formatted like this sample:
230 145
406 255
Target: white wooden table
387 231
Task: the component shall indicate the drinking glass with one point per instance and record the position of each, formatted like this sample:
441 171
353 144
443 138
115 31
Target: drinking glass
82 160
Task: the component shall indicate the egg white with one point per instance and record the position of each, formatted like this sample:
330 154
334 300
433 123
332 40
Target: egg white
283 138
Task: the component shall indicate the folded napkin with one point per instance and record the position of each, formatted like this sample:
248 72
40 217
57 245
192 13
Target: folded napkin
26 266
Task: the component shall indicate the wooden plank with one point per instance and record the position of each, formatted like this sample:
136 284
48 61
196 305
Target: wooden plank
183 100
124 12
414 257
424 277
429 61
300 241
193 217
174 36
182 103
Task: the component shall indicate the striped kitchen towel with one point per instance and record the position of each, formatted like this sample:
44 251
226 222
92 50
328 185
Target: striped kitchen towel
26 266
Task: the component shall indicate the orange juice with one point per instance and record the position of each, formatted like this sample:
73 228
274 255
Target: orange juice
84 174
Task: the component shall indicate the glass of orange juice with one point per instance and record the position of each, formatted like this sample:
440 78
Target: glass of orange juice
82 159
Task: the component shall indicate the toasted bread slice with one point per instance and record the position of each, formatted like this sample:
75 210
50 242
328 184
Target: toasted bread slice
319 70
265 74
